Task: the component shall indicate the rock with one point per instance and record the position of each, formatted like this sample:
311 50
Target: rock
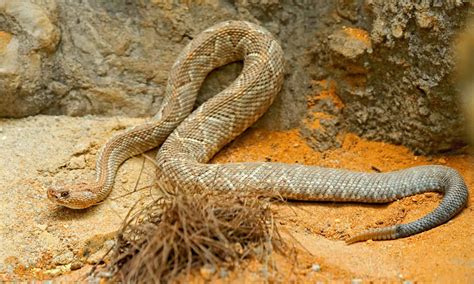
42 227
356 281
24 55
64 258
350 42
35 21
77 265
465 72
315 267
207 271
100 255
223 273
114 59
77 163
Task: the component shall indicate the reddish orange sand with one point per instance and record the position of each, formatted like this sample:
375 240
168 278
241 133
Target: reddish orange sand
444 254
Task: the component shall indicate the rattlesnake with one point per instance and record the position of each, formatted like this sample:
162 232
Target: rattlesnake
191 140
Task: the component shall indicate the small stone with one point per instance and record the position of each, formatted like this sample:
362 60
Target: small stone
223 273
397 31
42 227
296 145
238 248
316 267
442 161
351 42
424 111
1 129
258 251
81 148
424 19
407 282
207 271
356 281
5 39
53 272
76 265
99 255
77 162
64 258
264 271
337 220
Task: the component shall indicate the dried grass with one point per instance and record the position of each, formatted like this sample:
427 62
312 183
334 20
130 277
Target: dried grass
180 232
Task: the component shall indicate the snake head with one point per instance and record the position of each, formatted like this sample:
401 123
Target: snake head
78 196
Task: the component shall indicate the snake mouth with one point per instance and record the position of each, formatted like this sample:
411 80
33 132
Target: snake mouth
58 196
52 194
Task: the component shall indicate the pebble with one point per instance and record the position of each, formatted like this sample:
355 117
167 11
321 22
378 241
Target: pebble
356 281
238 248
207 271
407 282
64 258
81 148
76 265
316 267
77 163
42 227
224 273
99 255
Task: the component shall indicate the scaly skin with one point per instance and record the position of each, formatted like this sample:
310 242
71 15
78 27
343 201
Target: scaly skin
191 140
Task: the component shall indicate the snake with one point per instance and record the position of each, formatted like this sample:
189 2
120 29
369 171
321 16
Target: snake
189 139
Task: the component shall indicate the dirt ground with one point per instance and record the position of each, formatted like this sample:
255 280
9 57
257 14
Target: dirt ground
443 254
316 230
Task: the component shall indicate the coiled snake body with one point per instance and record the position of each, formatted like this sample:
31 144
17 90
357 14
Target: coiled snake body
191 140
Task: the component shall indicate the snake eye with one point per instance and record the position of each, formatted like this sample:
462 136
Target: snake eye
64 194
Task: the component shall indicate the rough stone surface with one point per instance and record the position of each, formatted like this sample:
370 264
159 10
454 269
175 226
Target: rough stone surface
28 41
405 92
465 73
390 61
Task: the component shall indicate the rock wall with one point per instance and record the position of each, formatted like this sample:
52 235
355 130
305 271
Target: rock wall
381 69
465 73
